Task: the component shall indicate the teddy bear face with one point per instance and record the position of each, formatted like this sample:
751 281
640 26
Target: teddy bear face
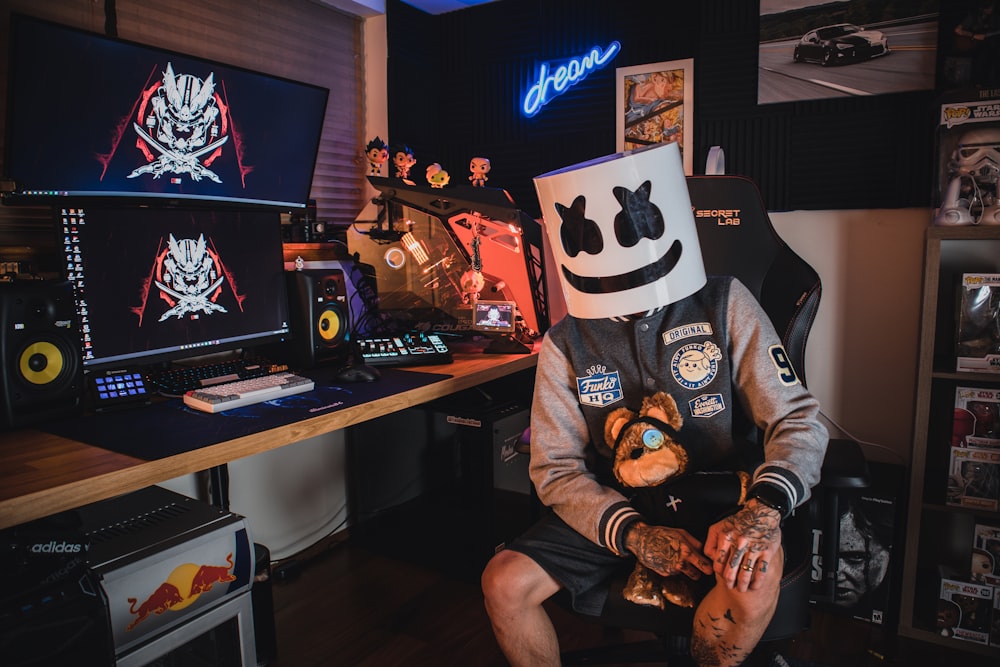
646 456
646 449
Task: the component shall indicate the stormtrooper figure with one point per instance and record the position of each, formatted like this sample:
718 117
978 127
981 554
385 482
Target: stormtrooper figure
974 169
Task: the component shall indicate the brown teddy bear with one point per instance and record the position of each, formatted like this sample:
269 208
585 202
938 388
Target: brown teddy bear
651 459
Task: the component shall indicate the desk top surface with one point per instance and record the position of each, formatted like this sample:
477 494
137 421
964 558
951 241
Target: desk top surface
42 473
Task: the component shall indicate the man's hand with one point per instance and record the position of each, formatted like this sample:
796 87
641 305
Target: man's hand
667 551
744 545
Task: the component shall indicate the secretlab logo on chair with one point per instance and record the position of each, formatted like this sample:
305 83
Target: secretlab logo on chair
722 216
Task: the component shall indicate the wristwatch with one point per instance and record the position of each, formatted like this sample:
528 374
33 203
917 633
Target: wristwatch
773 497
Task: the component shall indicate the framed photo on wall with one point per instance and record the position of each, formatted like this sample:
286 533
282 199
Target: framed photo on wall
655 105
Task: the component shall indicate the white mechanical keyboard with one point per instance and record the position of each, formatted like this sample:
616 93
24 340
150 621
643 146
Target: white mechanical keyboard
231 395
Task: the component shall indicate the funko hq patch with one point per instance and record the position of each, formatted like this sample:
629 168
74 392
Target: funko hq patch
599 387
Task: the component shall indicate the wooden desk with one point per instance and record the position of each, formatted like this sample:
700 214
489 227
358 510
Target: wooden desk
41 474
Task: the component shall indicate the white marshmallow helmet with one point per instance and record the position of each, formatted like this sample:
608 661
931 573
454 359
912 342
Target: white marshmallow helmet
622 232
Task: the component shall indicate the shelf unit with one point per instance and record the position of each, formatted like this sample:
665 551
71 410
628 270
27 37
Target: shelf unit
937 534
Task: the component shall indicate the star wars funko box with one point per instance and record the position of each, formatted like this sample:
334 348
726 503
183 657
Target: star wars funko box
974 478
978 336
976 421
965 610
968 163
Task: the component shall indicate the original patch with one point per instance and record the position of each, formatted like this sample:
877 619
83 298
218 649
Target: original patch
600 387
706 405
687 331
696 364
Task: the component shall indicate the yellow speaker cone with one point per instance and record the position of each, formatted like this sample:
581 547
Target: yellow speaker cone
41 363
329 325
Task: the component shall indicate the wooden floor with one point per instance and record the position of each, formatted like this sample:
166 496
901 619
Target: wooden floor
348 603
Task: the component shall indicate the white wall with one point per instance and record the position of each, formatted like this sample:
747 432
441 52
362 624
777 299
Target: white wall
862 354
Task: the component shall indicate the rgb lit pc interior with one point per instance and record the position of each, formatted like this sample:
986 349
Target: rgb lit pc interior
157 285
424 243
99 117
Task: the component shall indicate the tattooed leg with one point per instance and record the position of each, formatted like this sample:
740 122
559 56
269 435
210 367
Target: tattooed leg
729 623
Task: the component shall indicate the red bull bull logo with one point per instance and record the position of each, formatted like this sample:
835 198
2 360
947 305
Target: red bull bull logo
184 585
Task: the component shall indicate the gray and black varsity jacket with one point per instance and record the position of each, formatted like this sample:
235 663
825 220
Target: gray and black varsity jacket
717 354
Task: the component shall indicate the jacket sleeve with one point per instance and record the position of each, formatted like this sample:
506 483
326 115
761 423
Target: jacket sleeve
782 408
558 468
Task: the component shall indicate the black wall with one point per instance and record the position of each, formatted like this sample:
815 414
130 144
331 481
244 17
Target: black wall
455 82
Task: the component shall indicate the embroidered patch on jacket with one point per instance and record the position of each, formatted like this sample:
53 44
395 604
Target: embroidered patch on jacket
786 372
687 331
696 364
706 405
600 387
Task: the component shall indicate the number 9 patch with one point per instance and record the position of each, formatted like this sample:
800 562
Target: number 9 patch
786 374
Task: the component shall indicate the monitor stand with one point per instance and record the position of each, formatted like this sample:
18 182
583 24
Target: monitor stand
506 344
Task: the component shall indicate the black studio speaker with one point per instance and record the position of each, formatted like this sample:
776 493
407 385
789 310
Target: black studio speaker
40 341
318 312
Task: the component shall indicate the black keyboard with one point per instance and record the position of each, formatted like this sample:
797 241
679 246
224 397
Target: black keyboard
178 380
415 348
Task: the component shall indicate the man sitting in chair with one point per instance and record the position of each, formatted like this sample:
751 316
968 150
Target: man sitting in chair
622 231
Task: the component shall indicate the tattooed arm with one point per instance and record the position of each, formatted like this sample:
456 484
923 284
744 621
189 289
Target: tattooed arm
667 550
744 545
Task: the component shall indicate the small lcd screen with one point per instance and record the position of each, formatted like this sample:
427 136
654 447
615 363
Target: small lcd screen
494 316
164 284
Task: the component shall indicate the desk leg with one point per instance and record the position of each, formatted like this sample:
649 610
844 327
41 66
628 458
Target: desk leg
219 486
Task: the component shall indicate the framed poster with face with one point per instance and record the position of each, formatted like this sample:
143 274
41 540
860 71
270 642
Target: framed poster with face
655 105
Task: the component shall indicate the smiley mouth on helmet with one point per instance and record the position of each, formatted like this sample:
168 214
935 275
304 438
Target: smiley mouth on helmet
625 281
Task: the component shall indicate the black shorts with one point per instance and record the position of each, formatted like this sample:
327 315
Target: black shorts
580 566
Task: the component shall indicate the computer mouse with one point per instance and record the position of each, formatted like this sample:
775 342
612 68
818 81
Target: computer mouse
362 373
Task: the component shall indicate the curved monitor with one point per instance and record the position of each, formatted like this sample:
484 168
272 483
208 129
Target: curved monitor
93 116
160 284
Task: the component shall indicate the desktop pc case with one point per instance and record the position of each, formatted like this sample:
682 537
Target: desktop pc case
143 578
435 251
420 473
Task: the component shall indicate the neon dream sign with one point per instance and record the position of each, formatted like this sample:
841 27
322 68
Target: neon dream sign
550 85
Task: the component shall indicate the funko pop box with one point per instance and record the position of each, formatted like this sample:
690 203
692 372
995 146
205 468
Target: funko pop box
985 567
974 478
965 610
968 161
977 346
976 421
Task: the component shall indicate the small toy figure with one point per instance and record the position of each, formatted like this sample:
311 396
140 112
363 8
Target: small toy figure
982 565
402 158
377 153
479 166
948 616
436 176
974 169
473 281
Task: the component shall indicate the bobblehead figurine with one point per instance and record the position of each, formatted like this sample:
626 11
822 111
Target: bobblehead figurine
436 176
479 166
403 160
377 153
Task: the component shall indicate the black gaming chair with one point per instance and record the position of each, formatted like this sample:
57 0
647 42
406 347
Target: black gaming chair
737 239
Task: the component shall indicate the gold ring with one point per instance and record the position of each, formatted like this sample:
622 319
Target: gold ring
748 567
